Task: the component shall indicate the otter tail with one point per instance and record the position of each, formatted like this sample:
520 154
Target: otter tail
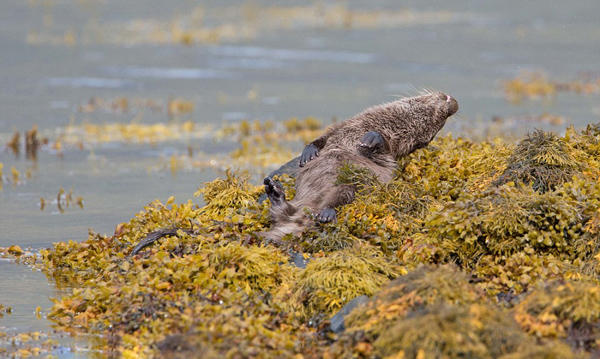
155 236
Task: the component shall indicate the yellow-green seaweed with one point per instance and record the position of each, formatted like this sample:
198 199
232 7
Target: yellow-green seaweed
331 281
434 312
495 263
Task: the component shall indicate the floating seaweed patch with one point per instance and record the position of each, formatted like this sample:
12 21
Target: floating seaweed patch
25 345
259 146
16 178
238 23
544 118
117 105
121 105
135 132
177 106
292 129
31 143
63 201
4 310
536 85
14 143
256 145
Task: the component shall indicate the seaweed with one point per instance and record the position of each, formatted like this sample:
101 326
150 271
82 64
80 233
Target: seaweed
537 85
435 312
231 192
543 160
565 309
474 249
331 281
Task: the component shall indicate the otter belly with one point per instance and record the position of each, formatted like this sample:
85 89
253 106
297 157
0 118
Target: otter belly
316 186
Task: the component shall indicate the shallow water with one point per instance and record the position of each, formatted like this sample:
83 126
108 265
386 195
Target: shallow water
323 59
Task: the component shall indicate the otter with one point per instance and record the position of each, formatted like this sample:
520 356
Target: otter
374 139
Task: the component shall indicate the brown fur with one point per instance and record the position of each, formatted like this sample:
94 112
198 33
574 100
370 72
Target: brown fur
405 125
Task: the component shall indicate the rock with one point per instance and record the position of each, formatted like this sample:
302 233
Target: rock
298 259
336 323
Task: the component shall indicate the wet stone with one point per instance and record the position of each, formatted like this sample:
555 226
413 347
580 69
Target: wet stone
337 321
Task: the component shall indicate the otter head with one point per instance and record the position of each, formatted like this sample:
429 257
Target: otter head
425 115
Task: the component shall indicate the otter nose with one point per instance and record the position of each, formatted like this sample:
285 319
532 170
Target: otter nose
452 105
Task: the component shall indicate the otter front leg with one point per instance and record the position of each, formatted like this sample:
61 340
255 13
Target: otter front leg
372 142
311 151
344 195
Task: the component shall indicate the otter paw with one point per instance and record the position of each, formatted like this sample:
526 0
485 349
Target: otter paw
372 140
310 152
269 184
326 215
274 190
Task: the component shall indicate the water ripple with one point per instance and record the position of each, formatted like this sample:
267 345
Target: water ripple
166 72
292 54
91 82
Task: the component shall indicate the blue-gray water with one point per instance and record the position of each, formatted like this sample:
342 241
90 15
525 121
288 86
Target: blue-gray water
263 60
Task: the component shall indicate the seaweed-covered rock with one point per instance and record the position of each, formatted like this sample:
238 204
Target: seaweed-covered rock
336 323
329 282
436 313
505 232
503 221
566 309
543 160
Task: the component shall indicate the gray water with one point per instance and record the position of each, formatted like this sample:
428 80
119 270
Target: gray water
270 61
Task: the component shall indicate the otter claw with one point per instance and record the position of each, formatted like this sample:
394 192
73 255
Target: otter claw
371 140
274 190
310 152
269 184
326 215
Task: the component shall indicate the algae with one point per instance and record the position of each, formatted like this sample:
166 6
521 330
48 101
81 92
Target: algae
471 251
435 312
330 281
563 308
543 160
537 85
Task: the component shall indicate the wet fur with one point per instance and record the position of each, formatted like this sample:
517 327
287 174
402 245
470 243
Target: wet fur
405 125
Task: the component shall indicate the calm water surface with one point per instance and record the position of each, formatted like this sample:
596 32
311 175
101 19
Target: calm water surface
323 59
